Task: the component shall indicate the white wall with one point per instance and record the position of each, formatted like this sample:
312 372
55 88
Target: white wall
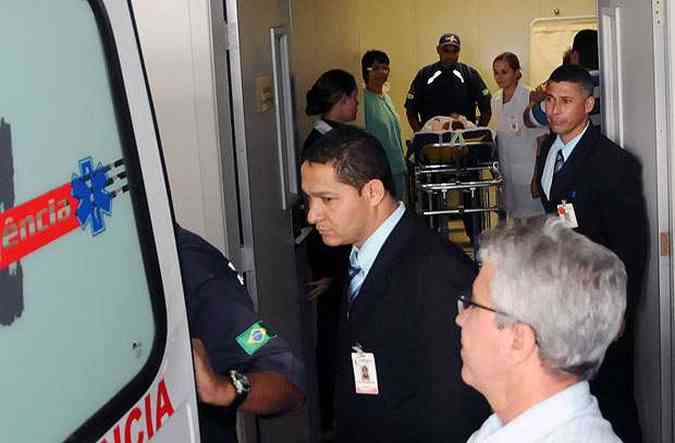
176 43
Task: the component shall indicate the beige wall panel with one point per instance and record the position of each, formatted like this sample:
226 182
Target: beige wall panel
567 8
505 29
303 58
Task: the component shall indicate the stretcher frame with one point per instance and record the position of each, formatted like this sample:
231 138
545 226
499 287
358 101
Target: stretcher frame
481 181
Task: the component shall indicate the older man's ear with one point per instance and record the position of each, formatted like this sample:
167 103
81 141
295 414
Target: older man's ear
524 341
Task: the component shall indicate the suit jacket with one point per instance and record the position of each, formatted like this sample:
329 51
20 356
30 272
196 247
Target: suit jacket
604 183
404 315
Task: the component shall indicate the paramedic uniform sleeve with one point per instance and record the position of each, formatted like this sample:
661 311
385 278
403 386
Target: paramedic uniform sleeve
413 102
224 319
481 94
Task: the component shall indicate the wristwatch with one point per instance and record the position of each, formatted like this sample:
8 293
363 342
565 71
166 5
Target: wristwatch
241 387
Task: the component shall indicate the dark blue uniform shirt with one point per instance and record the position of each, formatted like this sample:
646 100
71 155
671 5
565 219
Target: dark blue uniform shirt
443 90
220 310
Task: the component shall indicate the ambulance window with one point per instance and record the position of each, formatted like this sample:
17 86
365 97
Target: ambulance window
81 310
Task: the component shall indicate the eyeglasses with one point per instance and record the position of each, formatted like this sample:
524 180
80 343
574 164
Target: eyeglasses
383 68
464 303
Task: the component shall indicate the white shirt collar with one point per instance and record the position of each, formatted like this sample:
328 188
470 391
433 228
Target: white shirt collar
568 148
541 420
366 255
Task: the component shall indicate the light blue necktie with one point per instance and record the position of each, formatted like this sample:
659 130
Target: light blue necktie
355 276
559 161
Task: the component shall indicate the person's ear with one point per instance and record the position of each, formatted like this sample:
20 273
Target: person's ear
374 191
524 340
589 104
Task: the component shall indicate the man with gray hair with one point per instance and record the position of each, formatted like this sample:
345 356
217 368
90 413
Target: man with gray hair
544 308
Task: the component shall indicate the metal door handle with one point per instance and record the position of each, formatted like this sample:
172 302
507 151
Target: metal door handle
283 106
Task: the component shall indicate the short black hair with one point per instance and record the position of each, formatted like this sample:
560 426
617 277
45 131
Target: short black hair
357 157
573 74
329 89
586 45
370 58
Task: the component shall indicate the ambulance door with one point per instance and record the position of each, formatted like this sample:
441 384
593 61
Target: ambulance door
93 329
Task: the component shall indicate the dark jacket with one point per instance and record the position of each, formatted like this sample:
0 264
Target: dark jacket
432 94
604 183
405 315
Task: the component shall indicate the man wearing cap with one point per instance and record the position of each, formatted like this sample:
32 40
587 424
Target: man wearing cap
447 87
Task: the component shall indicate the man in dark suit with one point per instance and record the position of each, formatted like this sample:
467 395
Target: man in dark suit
398 365
596 186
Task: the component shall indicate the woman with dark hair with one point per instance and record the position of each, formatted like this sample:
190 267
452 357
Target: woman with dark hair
334 98
381 117
515 142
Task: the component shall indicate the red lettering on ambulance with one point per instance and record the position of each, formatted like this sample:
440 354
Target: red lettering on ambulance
134 415
148 416
138 422
164 406
35 223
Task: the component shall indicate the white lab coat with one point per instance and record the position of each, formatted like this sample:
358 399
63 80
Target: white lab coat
517 147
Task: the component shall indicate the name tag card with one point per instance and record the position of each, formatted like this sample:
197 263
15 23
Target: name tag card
567 214
365 373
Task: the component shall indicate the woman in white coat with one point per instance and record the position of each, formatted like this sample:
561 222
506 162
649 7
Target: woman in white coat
516 143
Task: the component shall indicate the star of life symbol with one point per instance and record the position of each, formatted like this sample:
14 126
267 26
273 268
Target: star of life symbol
94 200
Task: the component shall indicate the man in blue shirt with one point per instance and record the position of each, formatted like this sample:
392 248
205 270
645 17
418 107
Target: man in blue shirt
396 346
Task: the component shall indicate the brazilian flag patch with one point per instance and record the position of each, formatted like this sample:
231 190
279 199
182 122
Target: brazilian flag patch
255 337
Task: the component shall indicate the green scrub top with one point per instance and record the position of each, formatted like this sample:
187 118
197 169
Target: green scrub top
382 122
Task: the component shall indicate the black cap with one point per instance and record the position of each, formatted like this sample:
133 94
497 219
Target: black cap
449 39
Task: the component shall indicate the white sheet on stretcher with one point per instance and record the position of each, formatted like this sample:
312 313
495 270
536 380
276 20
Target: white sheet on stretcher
442 124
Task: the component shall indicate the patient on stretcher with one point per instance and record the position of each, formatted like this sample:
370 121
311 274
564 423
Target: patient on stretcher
444 140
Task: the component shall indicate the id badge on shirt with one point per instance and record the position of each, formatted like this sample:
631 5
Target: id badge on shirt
365 372
567 214
514 125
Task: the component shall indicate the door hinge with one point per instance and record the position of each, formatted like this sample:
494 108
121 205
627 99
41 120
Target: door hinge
246 255
664 246
231 36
